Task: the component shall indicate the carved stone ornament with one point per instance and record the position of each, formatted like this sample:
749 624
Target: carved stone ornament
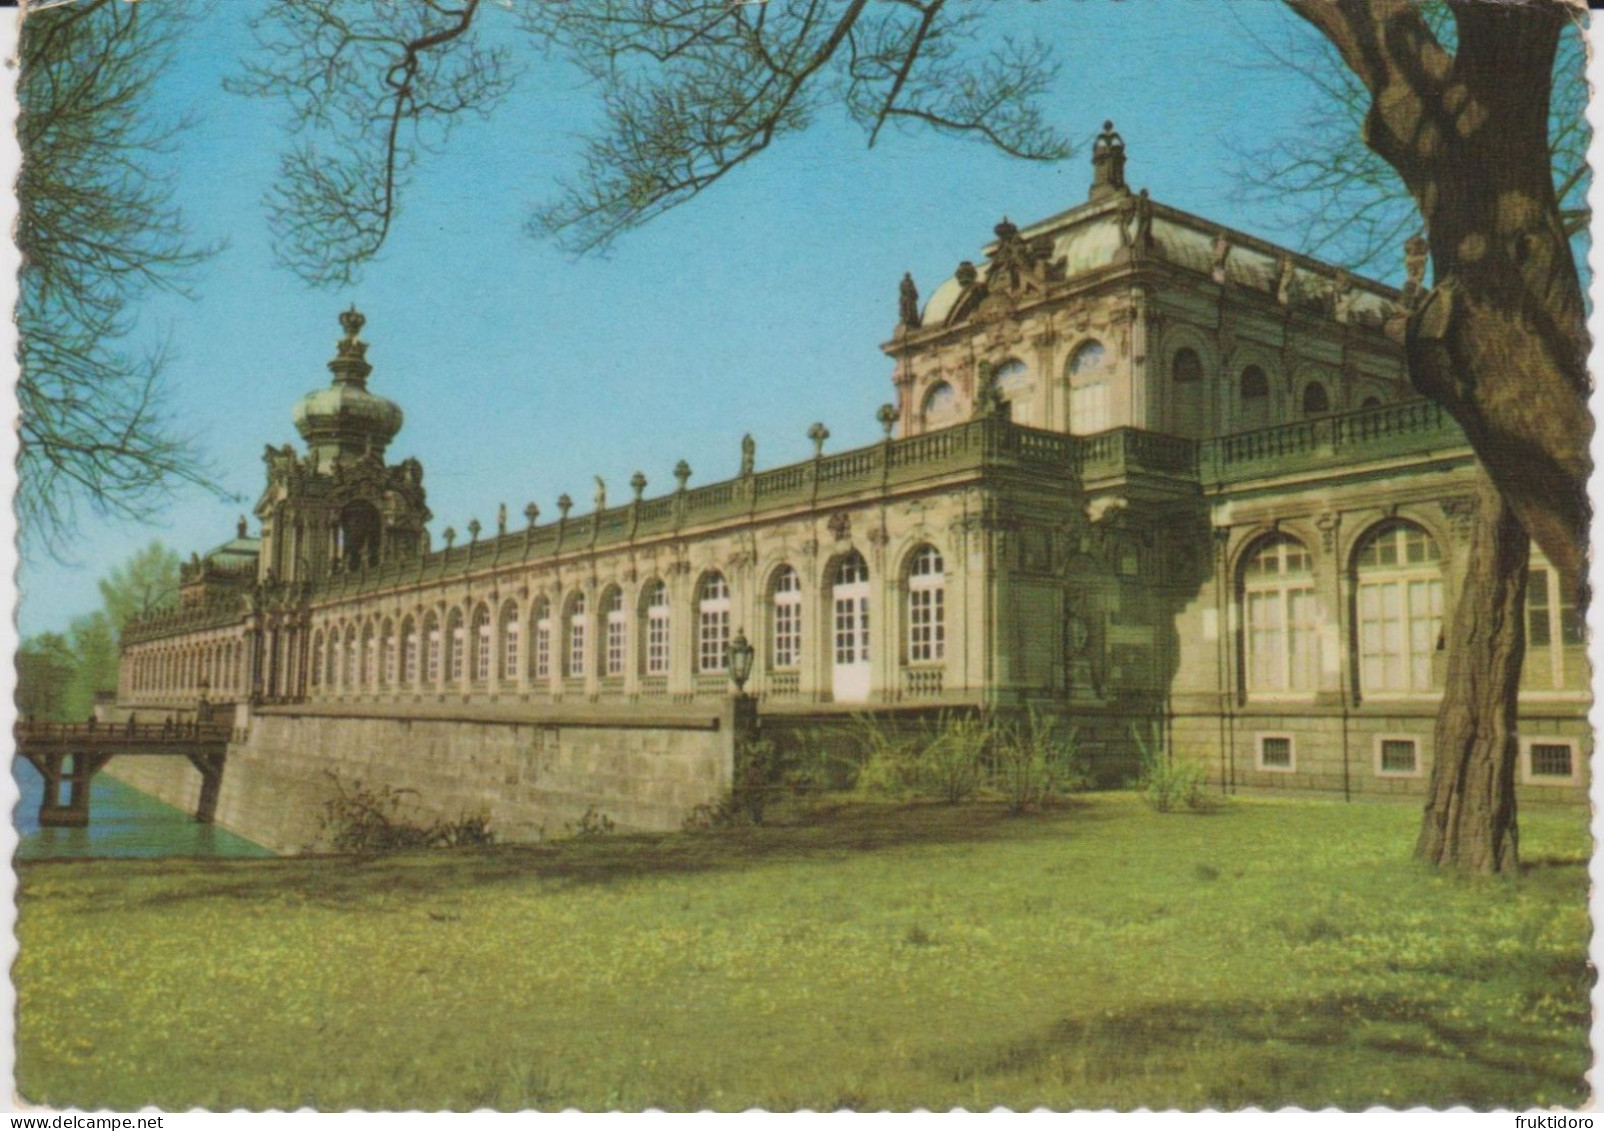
1328 525
840 526
1461 512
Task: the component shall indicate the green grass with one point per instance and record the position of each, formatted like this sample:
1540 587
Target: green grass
1106 956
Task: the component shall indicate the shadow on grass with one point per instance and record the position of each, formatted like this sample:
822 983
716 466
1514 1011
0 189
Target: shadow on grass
828 834
1332 1050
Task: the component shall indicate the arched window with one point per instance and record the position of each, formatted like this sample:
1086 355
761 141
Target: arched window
456 646
350 657
1283 645
1087 371
576 636
541 620
1015 385
1254 383
359 531
1398 593
1186 365
482 638
510 642
333 668
315 676
432 643
614 626
370 656
409 652
787 634
656 628
388 654
1315 400
1556 632
940 406
712 624
927 615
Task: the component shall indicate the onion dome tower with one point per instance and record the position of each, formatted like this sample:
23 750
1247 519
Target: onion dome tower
345 420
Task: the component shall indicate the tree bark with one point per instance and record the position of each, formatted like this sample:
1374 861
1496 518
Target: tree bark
1469 820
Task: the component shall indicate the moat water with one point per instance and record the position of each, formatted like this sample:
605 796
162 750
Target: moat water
122 822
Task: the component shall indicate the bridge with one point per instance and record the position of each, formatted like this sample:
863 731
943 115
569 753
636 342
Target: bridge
69 755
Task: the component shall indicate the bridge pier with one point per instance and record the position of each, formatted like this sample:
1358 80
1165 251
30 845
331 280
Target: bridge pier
211 772
54 768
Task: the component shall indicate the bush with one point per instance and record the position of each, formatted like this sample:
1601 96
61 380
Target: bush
1166 784
888 760
593 823
360 819
1033 766
952 763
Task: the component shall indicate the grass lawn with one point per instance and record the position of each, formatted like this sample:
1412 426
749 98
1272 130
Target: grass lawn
1273 953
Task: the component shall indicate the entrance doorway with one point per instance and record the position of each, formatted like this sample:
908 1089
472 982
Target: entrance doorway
850 599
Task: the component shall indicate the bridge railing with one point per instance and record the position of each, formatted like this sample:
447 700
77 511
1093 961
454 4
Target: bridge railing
126 733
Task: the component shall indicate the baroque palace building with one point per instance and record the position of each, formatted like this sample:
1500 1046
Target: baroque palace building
1142 472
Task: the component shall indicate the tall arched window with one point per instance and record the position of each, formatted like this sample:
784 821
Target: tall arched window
315 676
432 643
484 645
540 669
1279 614
409 652
787 634
1253 398
351 657
388 654
1015 385
370 656
614 626
456 646
927 614
1087 371
1556 632
656 628
1254 383
1398 594
511 644
940 406
712 624
333 668
576 636
1315 401
1186 366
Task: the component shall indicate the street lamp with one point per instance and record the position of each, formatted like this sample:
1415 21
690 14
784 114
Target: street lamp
741 656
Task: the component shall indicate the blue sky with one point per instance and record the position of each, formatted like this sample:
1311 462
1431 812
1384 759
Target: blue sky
758 307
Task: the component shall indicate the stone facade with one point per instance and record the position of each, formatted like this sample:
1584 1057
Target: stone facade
1140 470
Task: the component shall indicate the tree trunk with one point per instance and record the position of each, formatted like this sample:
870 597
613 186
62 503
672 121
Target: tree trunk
1469 822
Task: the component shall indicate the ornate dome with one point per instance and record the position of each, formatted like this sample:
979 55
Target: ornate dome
345 419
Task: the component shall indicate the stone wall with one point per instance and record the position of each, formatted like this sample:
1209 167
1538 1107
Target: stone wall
532 778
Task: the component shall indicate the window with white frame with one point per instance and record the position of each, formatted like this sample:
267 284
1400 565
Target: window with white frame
927 616
850 594
576 636
1556 633
484 644
511 643
1275 752
1397 756
409 653
713 624
657 629
1550 759
334 658
432 635
387 650
456 645
541 669
616 626
1399 610
1087 371
787 633
315 676
1279 617
351 657
370 655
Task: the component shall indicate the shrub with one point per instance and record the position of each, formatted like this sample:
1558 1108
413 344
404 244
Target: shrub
386 819
1166 784
951 763
1033 766
888 760
593 823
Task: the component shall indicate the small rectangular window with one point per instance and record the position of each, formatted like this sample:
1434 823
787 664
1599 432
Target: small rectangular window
1275 752
1551 760
1398 756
